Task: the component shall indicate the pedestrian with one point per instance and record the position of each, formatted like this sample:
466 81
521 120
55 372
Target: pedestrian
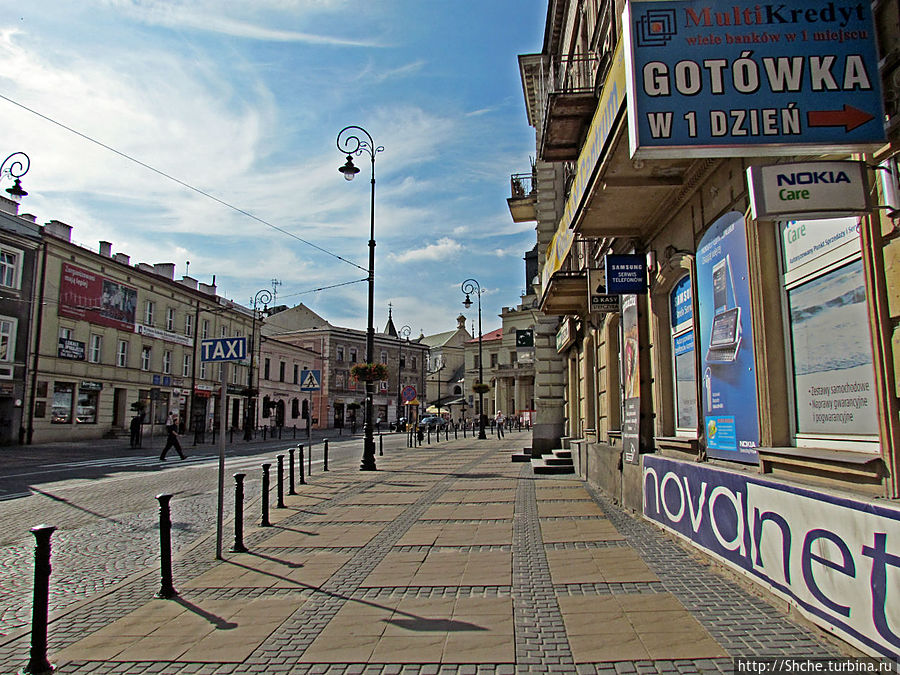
136 423
378 424
171 438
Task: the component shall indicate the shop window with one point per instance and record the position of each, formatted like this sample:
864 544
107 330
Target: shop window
63 397
832 375
86 412
7 345
266 406
683 357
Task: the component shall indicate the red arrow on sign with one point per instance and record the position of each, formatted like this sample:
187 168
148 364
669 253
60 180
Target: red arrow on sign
848 117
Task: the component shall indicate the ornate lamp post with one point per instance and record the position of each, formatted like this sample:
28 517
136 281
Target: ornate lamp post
265 297
355 140
17 168
402 334
472 286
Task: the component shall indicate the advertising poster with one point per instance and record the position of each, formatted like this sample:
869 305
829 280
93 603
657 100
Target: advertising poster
743 78
835 559
730 408
91 297
631 378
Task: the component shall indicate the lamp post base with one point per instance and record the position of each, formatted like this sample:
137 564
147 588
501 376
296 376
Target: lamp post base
368 458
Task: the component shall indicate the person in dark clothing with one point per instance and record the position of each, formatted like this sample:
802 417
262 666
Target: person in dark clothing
171 438
136 423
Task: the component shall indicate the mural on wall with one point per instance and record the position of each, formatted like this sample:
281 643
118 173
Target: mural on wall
730 408
836 559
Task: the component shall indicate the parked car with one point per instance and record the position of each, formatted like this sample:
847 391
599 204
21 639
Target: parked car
432 422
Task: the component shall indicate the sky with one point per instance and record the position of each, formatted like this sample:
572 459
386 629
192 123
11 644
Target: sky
131 110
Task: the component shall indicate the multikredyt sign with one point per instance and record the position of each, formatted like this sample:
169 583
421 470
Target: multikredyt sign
708 79
836 559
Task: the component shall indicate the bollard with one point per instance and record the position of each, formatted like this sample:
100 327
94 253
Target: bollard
279 432
265 431
38 662
264 522
456 432
325 456
464 430
239 514
291 490
280 504
300 462
429 435
380 444
309 462
294 427
166 589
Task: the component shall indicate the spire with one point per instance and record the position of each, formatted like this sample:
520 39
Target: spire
389 328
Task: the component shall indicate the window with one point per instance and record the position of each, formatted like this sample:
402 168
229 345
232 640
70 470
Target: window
65 333
494 360
63 395
296 374
281 370
204 329
384 358
224 331
170 318
681 311
339 354
402 361
10 267
203 370
475 360
189 324
220 368
122 354
167 362
353 355
86 411
414 363
96 349
513 356
832 372
149 308
7 340
186 366
145 358
266 366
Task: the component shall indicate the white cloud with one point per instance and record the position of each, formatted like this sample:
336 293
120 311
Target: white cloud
442 250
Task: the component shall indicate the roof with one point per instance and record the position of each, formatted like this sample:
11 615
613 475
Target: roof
496 334
438 339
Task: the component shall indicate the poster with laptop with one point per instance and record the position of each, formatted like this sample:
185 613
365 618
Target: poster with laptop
729 406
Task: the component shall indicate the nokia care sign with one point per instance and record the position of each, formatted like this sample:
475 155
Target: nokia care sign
836 559
808 190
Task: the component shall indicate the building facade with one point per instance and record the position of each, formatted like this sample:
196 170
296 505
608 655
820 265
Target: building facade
758 365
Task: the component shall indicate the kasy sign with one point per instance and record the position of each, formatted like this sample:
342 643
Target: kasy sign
714 79
808 189
836 559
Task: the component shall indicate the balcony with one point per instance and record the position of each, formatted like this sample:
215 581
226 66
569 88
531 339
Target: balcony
524 195
566 294
571 103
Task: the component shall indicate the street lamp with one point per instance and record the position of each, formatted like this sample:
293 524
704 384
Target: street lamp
349 141
17 168
265 297
402 334
472 286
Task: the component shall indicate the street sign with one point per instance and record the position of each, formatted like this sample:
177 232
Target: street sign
408 395
310 380
710 78
223 349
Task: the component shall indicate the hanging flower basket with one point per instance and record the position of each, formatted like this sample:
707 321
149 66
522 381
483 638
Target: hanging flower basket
369 372
481 388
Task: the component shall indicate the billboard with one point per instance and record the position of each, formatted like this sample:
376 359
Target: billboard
715 79
836 559
89 296
729 401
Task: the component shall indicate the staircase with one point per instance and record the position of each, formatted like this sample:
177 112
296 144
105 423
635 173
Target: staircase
557 461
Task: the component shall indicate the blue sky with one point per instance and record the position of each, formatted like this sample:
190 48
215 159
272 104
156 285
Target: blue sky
244 101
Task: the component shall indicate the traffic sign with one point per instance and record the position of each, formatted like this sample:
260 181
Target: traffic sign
408 394
224 349
310 380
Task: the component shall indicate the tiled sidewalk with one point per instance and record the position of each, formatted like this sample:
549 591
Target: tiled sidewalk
449 558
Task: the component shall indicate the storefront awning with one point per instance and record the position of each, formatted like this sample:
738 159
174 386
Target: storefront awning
566 294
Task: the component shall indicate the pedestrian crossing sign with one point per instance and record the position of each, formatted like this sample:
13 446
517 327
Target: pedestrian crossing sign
310 380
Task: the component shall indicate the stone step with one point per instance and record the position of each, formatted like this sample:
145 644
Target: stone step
524 456
540 466
557 461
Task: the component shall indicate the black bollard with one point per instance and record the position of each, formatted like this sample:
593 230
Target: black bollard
325 456
380 444
38 662
279 432
300 463
265 431
264 522
295 431
166 589
309 462
291 490
239 514
280 503
455 432
429 435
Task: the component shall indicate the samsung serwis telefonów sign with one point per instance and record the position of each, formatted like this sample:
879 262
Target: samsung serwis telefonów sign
712 79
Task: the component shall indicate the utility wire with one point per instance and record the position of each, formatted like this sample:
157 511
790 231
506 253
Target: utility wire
180 182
